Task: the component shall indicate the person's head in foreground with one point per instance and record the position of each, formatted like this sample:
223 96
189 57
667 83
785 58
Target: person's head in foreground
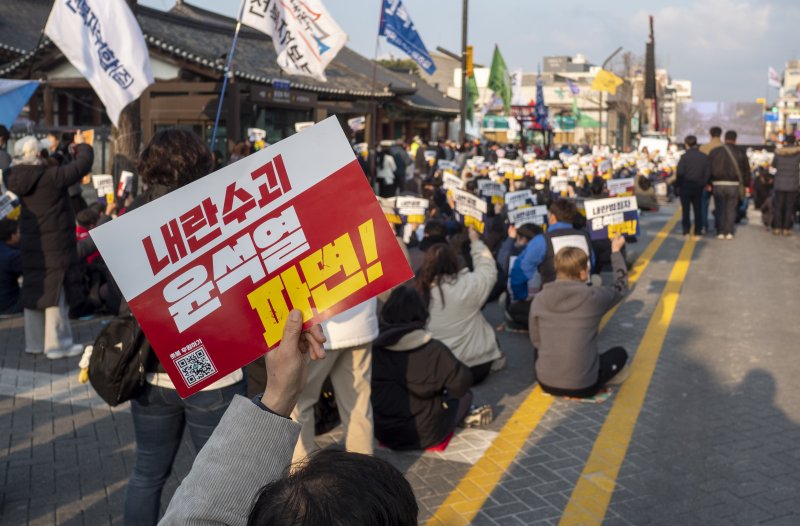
562 211
337 488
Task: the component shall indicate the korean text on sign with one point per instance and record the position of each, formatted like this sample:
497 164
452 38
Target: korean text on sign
608 217
211 270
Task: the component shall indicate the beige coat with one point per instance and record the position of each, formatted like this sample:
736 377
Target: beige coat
460 324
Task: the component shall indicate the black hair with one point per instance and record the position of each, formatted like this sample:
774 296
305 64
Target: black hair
730 135
564 210
4 135
404 306
174 158
435 227
715 131
690 141
529 231
8 227
337 488
790 139
87 217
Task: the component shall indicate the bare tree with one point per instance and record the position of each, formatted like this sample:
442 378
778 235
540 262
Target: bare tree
626 67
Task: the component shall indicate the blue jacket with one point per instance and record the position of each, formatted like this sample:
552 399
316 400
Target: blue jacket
527 264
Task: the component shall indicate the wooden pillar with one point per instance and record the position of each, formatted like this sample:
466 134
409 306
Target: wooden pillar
146 118
63 110
48 106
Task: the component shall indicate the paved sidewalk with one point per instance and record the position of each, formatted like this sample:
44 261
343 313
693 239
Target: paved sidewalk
716 441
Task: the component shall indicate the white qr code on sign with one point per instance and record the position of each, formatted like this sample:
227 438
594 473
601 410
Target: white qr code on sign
195 366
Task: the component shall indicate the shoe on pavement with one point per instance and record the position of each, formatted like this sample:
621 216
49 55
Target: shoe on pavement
621 376
697 238
33 351
729 236
479 417
498 364
72 350
787 233
720 236
776 232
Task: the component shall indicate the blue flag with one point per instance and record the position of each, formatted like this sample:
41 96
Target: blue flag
573 88
14 95
541 109
397 27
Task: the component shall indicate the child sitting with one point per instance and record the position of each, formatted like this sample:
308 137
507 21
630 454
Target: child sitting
420 391
564 322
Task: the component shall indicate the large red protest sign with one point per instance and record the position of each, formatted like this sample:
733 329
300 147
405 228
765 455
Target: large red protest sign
212 269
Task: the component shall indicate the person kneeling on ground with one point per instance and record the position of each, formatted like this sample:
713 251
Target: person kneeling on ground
564 322
420 391
240 476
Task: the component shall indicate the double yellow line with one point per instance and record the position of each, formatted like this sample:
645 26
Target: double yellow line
469 496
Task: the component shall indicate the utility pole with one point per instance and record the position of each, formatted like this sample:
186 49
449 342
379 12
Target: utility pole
600 109
462 133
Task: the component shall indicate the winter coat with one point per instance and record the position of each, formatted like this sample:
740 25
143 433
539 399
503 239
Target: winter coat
459 322
354 327
787 164
47 229
722 168
694 169
410 372
563 324
386 169
711 145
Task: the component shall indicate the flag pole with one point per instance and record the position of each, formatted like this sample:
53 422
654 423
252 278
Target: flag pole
227 73
372 144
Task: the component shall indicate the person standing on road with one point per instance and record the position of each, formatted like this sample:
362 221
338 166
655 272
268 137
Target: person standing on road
51 276
787 185
694 174
715 133
730 175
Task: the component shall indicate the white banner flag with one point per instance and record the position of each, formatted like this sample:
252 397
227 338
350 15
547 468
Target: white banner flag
102 39
305 35
773 79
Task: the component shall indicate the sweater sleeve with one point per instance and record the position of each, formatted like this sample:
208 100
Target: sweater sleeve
484 275
457 376
73 172
607 297
249 449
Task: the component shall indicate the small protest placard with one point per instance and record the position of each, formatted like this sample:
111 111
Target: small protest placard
211 270
620 187
470 209
390 210
125 182
9 204
519 199
412 209
536 215
104 184
492 190
608 217
450 181
558 184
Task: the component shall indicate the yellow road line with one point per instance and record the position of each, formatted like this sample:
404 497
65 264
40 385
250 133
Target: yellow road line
467 499
643 260
592 494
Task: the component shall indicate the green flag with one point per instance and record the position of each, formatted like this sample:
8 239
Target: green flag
500 80
472 96
576 112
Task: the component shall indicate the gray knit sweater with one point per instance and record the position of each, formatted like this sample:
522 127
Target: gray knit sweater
564 320
249 448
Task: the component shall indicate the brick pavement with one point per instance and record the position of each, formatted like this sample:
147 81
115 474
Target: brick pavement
716 441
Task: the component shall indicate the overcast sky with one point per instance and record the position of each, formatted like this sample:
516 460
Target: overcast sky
723 46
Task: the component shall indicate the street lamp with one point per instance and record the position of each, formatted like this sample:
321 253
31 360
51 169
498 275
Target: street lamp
600 109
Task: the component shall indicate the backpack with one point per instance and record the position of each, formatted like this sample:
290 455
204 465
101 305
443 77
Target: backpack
117 366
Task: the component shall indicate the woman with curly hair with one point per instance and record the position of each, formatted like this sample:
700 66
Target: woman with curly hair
173 158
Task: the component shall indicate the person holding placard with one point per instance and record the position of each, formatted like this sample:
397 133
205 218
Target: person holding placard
51 273
564 322
540 253
173 158
455 297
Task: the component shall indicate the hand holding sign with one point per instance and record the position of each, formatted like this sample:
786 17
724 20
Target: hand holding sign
287 365
617 243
